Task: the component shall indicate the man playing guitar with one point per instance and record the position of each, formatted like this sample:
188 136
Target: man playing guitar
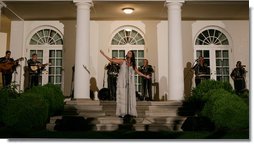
35 68
7 67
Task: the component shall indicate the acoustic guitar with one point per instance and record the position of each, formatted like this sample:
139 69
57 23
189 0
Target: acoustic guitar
9 66
34 68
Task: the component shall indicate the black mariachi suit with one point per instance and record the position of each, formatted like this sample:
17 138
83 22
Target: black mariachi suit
239 80
34 74
147 83
113 70
199 70
7 76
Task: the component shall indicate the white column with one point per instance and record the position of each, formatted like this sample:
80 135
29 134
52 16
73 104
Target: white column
82 53
1 5
175 55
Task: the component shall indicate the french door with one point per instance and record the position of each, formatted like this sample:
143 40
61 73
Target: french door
217 59
53 73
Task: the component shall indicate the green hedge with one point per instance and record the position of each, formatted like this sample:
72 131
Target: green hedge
194 104
31 109
52 94
226 110
5 95
26 112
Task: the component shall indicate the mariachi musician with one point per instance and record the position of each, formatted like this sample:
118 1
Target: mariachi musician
35 67
147 69
7 67
113 70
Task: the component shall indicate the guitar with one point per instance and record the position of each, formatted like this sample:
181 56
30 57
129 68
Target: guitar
34 68
9 66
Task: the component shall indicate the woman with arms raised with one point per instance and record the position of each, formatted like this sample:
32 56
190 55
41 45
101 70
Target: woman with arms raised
126 93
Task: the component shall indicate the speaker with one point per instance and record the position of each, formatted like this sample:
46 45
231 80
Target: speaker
104 94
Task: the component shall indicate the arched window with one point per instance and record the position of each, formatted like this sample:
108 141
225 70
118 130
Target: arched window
211 36
47 43
128 36
46 36
213 45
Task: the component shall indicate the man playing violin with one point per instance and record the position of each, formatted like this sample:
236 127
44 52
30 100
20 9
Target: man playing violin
35 68
7 67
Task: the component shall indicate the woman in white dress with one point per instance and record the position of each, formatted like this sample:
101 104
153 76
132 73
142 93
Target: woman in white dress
125 92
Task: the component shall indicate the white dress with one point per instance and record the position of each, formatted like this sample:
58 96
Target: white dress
125 93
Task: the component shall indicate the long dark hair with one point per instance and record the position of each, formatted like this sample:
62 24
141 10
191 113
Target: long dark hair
133 61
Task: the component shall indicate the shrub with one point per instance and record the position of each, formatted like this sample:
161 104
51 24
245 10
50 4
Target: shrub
5 95
52 94
226 110
26 112
194 104
208 85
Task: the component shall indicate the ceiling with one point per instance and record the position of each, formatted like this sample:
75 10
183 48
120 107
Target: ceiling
112 10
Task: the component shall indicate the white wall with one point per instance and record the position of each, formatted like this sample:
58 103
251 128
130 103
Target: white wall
3 44
21 33
156 47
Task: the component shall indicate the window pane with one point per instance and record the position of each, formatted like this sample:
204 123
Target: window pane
51 79
122 53
58 79
58 62
51 70
59 53
207 61
114 42
218 54
218 71
32 52
141 53
133 33
59 42
141 42
198 53
206 53
52 61
39 53
225 62
121 33
58 70
218 62
52 53
115 53
140 62
225 53
225 71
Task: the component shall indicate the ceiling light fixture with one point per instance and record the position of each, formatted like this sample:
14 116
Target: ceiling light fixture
128 10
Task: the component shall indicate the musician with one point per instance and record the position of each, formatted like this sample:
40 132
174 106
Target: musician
146 83
7 73
112 71
35 68
202 71
238 75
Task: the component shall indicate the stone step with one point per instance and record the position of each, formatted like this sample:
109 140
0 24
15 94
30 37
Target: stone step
152 115
166 103
161 114
83 107
83 102
92 114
